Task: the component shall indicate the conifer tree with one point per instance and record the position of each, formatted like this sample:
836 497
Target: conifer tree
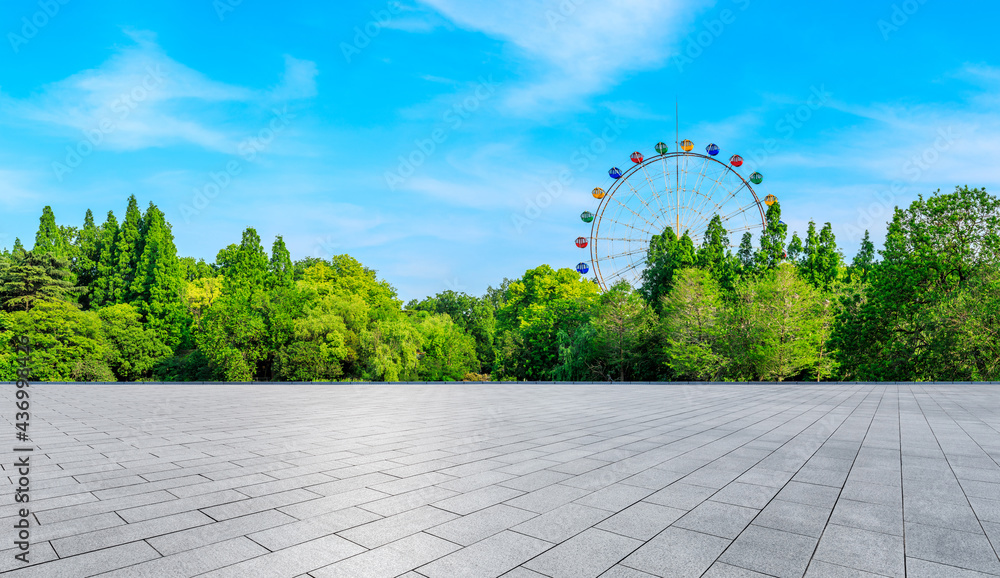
49 239
107 288
88 255
17 251
772 240
129 250
282 272
157 287
862 264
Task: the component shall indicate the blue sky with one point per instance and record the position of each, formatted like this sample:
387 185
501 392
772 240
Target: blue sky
294 117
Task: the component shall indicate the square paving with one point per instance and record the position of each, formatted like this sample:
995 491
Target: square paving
514 480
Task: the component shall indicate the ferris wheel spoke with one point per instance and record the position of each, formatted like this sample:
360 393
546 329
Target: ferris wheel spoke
643 201
630 240
629 209
626 253
629 225
738 211
656 195
695 214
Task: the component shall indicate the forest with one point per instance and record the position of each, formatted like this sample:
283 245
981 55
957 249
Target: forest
114 302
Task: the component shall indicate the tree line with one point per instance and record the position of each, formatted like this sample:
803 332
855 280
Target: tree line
114 302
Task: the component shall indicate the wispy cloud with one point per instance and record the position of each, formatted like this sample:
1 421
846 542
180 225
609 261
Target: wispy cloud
579 47
141 98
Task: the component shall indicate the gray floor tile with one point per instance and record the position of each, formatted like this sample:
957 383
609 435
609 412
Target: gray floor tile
677 552
862 549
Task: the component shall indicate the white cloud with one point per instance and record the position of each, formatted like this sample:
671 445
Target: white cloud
141 98
581 46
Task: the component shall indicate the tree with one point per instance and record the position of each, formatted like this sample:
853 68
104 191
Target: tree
473 315
929 310
863 261
772 240
49 239
158 283
666 255
66 343
132 351
745 254
448 353
537 307
193 270
624 345
87 257
691 323
128 251
281 269
34 278
108 287
795 248
777 338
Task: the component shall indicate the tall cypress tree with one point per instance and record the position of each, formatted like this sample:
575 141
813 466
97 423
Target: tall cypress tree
809 264
244 266
282 273
17 251
772 240
49 239
828 258
88 255
156 287
107 287
129 248
862 264
745 253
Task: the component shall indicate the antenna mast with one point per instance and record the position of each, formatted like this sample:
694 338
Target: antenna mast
677 175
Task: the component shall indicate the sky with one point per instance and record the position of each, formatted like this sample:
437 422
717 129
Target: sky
450 144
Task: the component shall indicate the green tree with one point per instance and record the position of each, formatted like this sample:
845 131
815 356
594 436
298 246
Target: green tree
929 310
795 248
772 240
132 351
692 324
448 353
784 328
35 278
745 255
49 239
537 307
87 258
864 260
108 287
66 343
128 252
473 315
281 268
666 255
624 341
193 270
157 284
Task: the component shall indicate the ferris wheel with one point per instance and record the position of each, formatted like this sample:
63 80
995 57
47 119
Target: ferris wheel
680 190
